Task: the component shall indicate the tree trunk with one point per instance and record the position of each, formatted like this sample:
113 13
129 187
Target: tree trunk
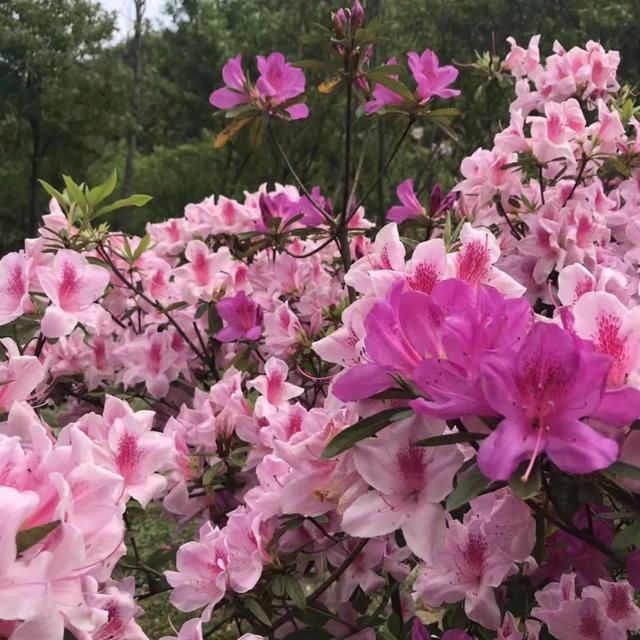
136 67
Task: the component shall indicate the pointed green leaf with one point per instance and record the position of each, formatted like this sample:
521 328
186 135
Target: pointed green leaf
75 192
258 612
445 112
470 484
623 469
295 592
529 488
627 537
451 438
30 537
53 192
135 200
365 428
102 191
142 247
393 85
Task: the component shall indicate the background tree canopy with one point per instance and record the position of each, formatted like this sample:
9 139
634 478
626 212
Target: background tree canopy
75 99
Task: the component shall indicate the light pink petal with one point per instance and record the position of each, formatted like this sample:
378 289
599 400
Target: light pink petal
481 607
15 507
370 515
425 530
57 323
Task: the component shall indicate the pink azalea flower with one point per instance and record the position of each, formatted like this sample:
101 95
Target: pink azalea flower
19 376
138 453
235 92
613 329
617 600
202 572
474 262
431 78
468 568
72 285
280 81
580 618
242 317
410 207
408 481
150 358
543 394
428 266
386 257
273 385
382 97
14 286
190 630
522 62
205 272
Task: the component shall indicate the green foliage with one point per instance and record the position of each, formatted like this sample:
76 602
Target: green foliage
67 84
365 428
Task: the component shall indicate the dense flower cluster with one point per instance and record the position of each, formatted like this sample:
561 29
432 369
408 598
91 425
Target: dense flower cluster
433 437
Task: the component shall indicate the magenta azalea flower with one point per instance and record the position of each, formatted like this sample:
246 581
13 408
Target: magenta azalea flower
410 207
431 78
278 82
242 317
544 393
235 92
381 96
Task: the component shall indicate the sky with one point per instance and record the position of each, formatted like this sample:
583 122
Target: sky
124 10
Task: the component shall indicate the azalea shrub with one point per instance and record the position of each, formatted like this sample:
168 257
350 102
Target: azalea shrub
422 429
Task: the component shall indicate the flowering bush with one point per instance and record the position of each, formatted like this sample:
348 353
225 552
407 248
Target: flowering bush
359 434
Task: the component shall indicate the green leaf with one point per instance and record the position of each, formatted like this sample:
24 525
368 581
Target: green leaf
451 438
135 200
278 586
53 192
386 70
393 85
102 191
624 469
127 249
75 192
445 112
365 428
529 488
295 592
469 486
142 247
242 361
627 537
257 611
30 537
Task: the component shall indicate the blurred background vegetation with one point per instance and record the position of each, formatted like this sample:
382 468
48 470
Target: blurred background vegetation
77 97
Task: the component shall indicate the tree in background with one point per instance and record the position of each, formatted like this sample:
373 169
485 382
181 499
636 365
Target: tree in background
67 94
59 98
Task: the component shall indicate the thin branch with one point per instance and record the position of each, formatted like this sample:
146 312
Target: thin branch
292 171
387 164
